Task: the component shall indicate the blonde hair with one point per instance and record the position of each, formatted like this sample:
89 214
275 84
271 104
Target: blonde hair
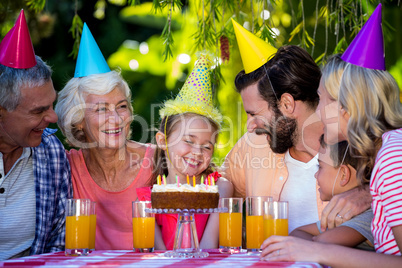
70 107
371 98
167 126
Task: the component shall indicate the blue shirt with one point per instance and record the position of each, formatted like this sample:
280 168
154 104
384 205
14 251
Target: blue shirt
53 187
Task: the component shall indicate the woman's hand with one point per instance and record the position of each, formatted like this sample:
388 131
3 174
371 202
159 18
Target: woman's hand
288 248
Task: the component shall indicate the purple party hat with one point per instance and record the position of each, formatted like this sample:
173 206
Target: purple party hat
367 49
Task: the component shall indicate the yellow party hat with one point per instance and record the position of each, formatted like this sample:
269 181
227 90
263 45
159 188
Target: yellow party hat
196 95
254 51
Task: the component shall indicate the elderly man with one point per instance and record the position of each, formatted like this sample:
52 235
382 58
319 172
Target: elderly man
279 94
34 172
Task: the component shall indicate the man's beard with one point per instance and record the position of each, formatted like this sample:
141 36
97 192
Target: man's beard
282 133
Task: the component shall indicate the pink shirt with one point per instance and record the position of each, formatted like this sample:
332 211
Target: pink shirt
386 189
114 210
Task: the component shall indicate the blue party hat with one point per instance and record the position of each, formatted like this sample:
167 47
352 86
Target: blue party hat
90 59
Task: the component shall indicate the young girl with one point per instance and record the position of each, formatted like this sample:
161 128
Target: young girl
185 142
337 174
360 98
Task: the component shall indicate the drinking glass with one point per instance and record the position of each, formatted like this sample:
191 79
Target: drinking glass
255 222
143 227
230 225
92 226
77 227
276 218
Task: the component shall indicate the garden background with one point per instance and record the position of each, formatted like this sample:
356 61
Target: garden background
155 43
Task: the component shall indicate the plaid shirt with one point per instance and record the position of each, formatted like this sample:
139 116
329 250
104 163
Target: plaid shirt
53 187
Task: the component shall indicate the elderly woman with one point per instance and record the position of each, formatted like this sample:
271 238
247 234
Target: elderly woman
95 113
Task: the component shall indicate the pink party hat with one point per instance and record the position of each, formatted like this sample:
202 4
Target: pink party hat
367 49
16 50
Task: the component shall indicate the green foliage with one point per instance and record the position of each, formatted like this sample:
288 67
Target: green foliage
174 27
36 5
76 31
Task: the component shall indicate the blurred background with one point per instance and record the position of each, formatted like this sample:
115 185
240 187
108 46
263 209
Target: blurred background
155 44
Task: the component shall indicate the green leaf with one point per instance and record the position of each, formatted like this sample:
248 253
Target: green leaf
295 31
319 58
76 31
36 5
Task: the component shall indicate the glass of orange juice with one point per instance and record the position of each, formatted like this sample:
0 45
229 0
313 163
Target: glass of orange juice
77 227
143 227
92 226
230 225
255 222
276 218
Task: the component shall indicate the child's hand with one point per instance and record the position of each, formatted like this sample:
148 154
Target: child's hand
288 248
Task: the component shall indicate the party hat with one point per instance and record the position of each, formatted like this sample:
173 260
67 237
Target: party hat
90 59
254 51
16 50
367 49
196 95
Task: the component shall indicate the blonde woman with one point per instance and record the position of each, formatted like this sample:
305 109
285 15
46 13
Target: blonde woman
359 102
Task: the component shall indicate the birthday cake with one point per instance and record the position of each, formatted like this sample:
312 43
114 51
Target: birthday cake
184 196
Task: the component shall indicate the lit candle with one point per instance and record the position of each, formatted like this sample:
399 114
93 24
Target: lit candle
194 180
188 180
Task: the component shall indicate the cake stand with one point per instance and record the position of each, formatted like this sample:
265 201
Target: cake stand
186 239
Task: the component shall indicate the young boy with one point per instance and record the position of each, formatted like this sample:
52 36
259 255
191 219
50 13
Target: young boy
337 174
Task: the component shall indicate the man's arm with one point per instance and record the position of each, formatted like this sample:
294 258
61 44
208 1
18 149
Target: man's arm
347 205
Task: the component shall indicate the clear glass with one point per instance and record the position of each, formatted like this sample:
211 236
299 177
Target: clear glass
77 227
255 222
143 227
276 218
230 225
92 226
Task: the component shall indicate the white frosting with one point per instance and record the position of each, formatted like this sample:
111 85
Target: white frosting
185 188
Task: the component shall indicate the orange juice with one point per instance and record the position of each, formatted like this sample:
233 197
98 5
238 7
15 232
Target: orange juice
92 231
254 231
275 227
143 232
230 225
77 232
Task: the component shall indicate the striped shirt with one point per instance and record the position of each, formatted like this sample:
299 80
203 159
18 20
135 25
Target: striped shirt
386 189
17 198
52 187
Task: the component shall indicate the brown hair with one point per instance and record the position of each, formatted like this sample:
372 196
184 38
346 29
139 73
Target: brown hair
167 126
292 70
